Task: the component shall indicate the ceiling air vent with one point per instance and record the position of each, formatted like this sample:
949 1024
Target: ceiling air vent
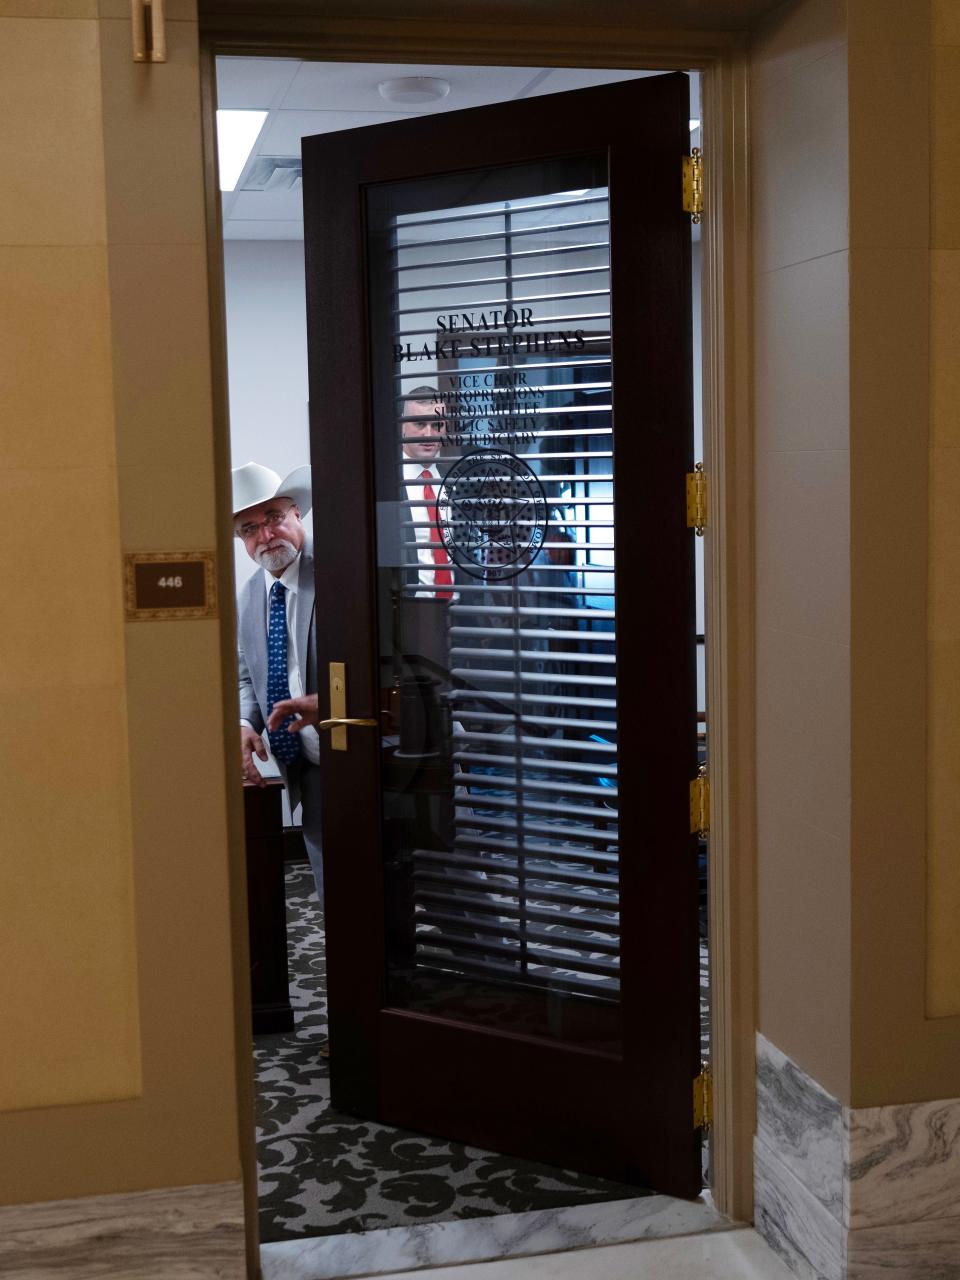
274 173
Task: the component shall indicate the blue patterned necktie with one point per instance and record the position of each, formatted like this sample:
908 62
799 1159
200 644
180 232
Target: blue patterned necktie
285 746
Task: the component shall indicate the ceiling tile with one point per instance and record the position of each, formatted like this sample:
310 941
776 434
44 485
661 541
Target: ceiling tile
285 128
251 229
353 87
326 97
560 79
255 83
284 204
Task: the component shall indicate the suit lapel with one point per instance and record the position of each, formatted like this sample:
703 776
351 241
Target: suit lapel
255 638
306 589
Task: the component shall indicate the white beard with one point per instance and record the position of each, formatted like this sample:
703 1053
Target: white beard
277 556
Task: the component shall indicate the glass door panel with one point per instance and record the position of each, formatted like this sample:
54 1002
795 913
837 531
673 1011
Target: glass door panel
493 439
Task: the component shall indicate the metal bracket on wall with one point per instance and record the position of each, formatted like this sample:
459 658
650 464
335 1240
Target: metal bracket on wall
149 30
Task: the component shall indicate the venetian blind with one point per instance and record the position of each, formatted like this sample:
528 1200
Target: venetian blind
503 312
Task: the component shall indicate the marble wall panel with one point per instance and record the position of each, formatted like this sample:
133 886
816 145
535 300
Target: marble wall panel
903 1164
793 1221
905 1251
802 1123
855 1194
175 1233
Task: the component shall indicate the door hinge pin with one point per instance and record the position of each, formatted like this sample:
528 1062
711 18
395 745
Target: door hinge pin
703 1098
700 804
693 184
697 500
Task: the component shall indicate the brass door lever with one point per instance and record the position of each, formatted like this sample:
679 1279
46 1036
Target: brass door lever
331 724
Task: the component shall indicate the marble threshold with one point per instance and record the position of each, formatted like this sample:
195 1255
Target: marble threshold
475 1240
738 1254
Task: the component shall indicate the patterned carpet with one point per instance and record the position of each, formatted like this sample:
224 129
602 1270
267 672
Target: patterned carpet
324 1173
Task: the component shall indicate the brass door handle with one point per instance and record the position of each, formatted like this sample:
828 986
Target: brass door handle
338 720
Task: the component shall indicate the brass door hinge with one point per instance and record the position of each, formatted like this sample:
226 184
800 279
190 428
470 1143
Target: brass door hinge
697 500
693 184
700 803
703 1098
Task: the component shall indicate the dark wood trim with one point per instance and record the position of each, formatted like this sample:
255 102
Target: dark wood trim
727 293
510 31
236 869
513 1094
267 909
658 750
696 15
251 31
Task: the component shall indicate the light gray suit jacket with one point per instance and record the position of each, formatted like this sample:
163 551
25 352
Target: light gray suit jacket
252 649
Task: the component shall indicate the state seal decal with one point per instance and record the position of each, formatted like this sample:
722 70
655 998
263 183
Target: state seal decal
492 515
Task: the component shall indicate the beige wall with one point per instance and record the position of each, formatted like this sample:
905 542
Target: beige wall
943 692
118 811
102 253
70 963
894 1056
842 403
802 441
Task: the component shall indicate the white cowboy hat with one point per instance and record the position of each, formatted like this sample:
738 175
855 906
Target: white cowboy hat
253 484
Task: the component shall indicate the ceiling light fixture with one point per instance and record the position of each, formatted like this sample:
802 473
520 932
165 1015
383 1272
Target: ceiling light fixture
237 133
408 91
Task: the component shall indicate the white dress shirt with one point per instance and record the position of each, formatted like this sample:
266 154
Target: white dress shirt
414 483
309 737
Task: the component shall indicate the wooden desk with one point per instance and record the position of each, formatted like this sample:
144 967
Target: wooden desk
267 909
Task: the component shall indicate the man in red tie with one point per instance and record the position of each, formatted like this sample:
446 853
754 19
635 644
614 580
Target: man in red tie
422 430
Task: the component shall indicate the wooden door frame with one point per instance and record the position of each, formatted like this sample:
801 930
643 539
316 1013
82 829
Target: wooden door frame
728 457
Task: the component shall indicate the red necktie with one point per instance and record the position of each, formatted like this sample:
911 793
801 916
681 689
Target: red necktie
442 577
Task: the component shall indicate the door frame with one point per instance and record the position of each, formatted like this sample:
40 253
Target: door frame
728 460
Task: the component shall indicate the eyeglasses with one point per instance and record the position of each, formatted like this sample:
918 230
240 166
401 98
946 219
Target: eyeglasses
269 521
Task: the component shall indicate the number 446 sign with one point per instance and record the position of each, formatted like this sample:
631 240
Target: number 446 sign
169 585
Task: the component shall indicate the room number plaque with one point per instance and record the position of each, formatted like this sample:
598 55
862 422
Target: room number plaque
169 585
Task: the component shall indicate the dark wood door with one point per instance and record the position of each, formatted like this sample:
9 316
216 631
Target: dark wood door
501 422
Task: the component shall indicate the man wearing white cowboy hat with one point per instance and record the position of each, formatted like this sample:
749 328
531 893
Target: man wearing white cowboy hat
276 638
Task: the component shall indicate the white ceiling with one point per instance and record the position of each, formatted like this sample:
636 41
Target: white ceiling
304 98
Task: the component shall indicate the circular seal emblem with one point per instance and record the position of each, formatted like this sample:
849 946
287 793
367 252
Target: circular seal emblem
492 515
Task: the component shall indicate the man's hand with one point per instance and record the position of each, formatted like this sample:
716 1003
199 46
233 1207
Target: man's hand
251 744
307 708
